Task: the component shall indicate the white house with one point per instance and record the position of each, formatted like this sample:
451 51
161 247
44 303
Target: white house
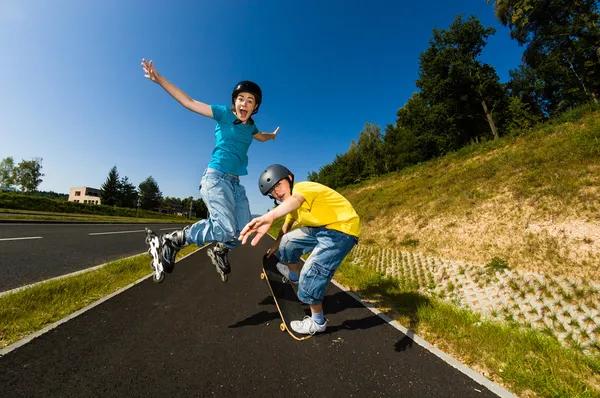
84 195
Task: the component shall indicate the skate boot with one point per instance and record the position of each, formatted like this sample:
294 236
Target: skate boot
163 250
218 256
170 245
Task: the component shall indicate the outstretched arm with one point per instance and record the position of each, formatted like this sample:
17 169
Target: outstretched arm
261 225
179 95
262 137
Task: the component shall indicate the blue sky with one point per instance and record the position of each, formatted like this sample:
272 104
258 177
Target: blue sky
74 93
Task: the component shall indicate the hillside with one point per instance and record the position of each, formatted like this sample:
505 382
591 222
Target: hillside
530 200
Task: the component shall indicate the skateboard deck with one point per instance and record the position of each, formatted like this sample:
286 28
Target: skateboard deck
285 296
153 241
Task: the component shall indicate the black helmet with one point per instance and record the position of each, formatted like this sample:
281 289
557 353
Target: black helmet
271 176
248 87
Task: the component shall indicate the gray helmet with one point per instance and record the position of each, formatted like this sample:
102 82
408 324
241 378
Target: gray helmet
271 176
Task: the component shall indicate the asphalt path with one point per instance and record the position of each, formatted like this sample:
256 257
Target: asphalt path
34 252
195 336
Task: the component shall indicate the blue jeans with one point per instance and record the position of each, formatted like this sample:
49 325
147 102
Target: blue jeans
228 207
328 246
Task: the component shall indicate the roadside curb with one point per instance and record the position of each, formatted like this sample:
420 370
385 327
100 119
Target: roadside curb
466 370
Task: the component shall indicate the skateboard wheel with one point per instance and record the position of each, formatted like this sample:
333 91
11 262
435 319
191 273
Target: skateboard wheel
262 275
282 327
159 279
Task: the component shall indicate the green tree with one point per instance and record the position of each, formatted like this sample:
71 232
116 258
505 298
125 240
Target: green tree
561 39
172 205
420 129
28 174
199 209
7 174
527 85
128 193
111 189
150 195
370 150
464 91
401 148
520 117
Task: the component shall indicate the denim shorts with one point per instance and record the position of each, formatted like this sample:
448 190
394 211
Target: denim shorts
328 246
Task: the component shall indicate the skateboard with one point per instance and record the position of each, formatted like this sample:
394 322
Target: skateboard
285 295
154 242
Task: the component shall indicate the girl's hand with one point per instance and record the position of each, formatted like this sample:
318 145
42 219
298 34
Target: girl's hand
258 226
274 134
150 72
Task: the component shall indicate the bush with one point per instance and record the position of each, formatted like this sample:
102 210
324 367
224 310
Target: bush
9 200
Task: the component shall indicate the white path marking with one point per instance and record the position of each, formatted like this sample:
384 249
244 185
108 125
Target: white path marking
115 232
25 238
126 232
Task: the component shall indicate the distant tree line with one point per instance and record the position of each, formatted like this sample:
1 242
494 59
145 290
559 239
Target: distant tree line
118 191
460 99
26 177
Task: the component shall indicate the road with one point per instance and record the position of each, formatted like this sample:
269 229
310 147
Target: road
34 252
195 336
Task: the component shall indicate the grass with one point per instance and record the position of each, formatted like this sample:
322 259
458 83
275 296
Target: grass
29 310
548 161
28 215
474 204
525 360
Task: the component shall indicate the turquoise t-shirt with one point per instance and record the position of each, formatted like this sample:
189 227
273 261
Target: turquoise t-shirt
232 142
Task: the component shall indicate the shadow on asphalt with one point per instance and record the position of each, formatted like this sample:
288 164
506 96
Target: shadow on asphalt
336 303
256 319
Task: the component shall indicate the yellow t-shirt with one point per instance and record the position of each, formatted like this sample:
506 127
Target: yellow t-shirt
324 207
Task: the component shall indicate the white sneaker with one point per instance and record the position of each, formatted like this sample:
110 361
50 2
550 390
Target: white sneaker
308 326
285 271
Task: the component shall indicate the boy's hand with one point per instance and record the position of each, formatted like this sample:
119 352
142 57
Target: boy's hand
273 249
258 226
149 70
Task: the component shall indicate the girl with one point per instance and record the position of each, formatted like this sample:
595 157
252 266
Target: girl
220 187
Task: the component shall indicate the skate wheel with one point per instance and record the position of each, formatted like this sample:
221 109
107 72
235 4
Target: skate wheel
282 327
159 279
262 275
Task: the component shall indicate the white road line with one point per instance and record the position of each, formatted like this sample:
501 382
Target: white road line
30 237
115 232
126 232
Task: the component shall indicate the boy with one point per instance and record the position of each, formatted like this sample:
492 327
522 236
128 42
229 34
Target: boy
329 229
